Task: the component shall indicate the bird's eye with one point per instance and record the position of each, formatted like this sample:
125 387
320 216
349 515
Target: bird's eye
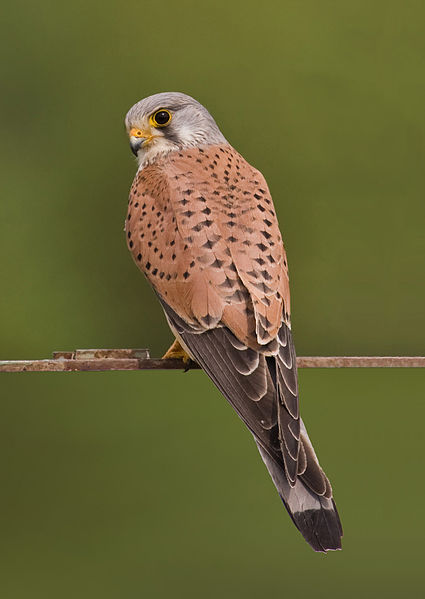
160 118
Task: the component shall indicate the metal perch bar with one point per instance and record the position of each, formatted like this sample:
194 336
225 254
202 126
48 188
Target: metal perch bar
88 360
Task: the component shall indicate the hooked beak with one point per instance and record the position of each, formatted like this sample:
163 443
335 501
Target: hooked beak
136 143
137 139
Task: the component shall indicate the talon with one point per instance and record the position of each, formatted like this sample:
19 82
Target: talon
177 352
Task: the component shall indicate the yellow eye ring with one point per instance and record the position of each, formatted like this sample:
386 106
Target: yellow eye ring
160 118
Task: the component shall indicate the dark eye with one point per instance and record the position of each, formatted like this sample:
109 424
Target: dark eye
161 118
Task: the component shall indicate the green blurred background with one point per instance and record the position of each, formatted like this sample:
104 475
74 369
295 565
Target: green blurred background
146 484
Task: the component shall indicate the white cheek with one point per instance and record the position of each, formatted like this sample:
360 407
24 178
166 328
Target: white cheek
158 146
186 135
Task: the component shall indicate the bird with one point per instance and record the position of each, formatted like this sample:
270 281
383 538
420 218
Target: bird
202 227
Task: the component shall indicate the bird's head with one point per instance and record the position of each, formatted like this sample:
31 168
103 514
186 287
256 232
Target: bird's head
169 121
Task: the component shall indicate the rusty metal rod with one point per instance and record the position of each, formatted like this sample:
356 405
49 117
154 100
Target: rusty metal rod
88 360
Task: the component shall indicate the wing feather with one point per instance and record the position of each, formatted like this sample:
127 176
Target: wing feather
202 227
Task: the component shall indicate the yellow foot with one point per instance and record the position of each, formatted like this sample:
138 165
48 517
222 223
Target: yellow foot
176 351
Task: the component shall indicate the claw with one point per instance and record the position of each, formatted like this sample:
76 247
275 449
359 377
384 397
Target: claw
177 352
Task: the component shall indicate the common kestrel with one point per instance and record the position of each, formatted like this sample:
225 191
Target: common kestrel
202 227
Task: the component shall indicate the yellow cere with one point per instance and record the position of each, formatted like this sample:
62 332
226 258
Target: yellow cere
134 132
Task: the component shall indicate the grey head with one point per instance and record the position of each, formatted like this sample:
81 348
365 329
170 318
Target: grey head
169 121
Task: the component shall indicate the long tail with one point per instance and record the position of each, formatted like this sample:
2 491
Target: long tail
264 393
315 516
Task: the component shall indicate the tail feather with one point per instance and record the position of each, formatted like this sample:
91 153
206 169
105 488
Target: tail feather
315 516
263 392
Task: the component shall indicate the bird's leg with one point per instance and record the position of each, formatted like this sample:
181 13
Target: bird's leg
176 351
